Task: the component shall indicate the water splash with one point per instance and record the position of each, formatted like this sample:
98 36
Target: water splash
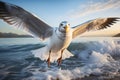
97 58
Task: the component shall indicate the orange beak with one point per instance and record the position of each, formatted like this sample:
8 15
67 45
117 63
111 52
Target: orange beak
66 28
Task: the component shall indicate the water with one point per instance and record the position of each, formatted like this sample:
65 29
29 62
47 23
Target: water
98 58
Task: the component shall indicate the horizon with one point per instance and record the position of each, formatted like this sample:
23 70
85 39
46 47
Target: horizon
75 12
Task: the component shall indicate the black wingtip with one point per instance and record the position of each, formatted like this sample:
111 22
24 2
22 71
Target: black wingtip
2 3
117 18
3 9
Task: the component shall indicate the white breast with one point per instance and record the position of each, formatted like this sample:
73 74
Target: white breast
59 41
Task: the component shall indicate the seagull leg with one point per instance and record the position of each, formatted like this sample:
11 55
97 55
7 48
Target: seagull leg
48 60
60 59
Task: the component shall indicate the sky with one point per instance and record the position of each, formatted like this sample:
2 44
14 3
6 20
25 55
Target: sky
75 12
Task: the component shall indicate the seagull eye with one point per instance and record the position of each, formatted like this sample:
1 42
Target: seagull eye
61 24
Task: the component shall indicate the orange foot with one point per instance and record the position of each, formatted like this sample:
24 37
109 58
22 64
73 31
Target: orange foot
48 62
59 61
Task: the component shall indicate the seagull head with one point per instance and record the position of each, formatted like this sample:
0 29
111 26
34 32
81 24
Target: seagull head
64 26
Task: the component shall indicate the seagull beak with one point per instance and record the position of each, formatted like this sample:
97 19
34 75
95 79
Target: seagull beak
66 28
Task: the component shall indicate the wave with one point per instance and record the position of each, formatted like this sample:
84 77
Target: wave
99 58
16 48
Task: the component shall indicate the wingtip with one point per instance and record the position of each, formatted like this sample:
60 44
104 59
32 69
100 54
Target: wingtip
2 7
117 18
1 2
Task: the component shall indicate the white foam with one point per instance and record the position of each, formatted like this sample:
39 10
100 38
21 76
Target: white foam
97 59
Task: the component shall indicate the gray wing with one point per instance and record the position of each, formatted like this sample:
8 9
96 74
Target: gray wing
95 24
22 19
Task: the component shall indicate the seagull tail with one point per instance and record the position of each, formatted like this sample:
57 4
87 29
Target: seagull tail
41 53
67 54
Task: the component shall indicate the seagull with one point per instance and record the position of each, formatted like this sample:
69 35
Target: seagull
59 38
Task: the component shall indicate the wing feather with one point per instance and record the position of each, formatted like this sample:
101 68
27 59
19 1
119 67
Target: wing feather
19 18
95 24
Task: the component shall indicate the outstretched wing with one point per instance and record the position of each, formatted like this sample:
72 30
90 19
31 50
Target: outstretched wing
95 24
22 19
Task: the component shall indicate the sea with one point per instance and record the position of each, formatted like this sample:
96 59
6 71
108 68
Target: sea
95 58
